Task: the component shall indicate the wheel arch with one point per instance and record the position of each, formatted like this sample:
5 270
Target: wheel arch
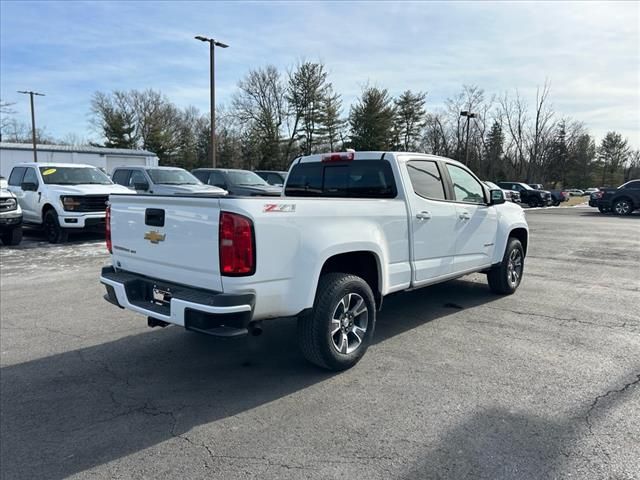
523 235
365 264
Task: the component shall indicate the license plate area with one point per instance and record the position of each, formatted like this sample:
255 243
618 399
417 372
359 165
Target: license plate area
161 296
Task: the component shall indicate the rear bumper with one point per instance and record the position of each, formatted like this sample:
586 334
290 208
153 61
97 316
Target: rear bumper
205 311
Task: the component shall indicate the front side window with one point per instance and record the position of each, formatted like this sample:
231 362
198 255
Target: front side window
217 180
137 177
31 177
121 177
172 177
74 176
425 179
465 187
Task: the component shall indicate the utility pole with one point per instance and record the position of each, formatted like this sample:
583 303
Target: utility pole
469 116
33 121
212 44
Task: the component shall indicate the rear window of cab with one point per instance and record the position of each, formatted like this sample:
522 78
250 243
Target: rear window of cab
347 179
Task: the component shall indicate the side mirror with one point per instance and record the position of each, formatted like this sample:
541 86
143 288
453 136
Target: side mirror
496 197
29 187
144 186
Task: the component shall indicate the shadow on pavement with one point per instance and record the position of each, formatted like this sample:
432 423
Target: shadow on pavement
67 413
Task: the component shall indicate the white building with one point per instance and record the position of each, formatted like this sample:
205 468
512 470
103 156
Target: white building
106 158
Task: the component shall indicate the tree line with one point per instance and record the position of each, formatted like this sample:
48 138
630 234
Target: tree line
276 116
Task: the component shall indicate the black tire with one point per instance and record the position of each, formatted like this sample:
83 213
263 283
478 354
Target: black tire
533 202
12 237
317 334
604 209
52 229
622 206
501 277
556 203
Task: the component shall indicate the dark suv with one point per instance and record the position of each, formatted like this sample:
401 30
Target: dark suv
528 195
621 201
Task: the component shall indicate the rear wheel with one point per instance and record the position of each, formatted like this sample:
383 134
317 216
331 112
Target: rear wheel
506 277
52 229
337 332
533 202
12 237
622 207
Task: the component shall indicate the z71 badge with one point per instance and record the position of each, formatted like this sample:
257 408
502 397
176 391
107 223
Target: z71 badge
279 207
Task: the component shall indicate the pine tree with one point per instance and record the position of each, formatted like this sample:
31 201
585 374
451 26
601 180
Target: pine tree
495 142
331 124
613 153
372 120
410 119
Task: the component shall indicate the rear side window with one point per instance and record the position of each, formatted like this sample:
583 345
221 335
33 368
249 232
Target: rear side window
426 179
353 179
121 177
15 178
136 177
217 180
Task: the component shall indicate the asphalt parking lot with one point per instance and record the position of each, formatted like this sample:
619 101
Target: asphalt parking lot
459 384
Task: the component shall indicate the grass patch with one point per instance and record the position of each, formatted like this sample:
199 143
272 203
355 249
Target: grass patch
575 201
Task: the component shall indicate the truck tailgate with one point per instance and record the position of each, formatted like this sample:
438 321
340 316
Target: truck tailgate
168 238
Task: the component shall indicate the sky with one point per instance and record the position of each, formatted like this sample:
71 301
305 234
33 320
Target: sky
590 52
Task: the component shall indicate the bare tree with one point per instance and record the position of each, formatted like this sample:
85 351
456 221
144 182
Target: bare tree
542 130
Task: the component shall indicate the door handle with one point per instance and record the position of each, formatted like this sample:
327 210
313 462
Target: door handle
423 215
464 216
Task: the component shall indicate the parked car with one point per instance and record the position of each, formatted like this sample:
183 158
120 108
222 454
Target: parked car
10 216
530 196
349 229
237 182
62 197
510 195
559 196
536 186
590 191
621 201
272 177
162 181
575 192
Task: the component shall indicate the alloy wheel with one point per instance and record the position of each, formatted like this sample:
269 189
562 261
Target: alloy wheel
349 323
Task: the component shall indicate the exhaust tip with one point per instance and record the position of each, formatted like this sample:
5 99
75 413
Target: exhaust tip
255 328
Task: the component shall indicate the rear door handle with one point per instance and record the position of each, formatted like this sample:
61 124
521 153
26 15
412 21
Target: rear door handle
423 215
464 216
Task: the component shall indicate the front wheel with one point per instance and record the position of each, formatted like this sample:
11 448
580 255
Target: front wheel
52 229
604 209
339 329
622 207
12 237
506 277
533 202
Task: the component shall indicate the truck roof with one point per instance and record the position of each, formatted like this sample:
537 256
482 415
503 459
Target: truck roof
375 155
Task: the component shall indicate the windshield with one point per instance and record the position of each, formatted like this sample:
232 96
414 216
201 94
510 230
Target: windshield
172 177
244 177
527 187
74 176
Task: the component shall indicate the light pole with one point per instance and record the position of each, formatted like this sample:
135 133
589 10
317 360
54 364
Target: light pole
33 121
469 116
212 45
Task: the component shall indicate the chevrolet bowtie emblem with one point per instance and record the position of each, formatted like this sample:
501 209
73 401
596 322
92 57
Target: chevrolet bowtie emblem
154 237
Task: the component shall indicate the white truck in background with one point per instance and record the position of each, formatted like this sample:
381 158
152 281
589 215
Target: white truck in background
349 229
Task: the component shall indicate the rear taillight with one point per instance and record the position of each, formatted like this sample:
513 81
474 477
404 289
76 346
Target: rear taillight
107 227
236 245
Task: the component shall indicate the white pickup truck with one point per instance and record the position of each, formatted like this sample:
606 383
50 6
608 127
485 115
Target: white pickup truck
349 229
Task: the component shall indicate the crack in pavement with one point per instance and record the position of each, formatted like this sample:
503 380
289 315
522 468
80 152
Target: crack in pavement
562 319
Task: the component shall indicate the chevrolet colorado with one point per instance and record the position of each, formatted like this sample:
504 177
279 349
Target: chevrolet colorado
349 229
